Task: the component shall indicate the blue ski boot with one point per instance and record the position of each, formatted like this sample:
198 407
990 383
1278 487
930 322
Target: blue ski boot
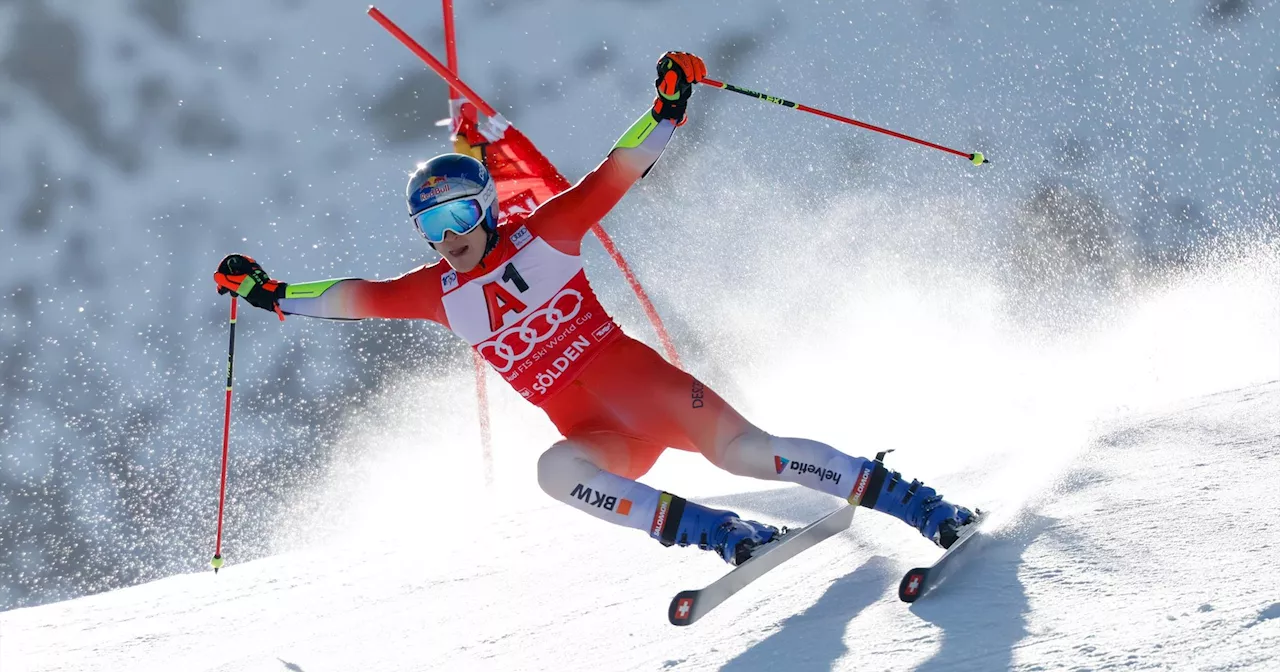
684 523
914 503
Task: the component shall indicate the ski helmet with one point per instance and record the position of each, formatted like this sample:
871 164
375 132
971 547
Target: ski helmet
452 192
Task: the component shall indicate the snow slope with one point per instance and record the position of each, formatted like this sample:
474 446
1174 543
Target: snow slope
1155 549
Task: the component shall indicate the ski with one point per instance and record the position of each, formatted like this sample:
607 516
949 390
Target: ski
690 605
918 582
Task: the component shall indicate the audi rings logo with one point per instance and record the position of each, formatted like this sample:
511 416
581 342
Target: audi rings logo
518 342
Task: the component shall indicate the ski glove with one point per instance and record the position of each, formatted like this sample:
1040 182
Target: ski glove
242 275
677 73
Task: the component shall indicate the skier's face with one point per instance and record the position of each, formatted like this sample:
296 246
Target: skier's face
463 251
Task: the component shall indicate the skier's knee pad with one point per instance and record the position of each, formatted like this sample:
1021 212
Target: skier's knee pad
562 465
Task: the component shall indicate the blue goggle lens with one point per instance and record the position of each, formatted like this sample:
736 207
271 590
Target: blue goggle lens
457 216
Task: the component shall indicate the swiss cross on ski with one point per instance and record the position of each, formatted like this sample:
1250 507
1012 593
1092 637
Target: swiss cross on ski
913 584
683 608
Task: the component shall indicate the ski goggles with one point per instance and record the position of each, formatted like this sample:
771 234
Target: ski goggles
461 217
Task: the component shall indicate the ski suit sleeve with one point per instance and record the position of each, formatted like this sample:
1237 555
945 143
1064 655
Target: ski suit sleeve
414 295
566 218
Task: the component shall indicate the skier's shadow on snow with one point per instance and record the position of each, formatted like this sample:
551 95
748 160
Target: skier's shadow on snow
812 639
982 611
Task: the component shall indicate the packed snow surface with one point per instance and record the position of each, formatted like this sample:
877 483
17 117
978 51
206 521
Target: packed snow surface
1154 548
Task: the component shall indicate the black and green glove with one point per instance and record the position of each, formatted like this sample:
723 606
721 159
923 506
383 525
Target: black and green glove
677 73
242 275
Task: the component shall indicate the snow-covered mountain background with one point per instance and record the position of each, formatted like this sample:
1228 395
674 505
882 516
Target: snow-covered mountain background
1118 256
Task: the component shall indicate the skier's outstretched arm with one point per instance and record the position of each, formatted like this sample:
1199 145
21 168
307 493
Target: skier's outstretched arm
566 218
408 296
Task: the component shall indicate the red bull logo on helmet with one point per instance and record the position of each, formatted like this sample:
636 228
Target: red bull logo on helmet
430 189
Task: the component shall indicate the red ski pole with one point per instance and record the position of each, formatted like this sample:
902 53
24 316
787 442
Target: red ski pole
226 436
432 62
975 157
450 42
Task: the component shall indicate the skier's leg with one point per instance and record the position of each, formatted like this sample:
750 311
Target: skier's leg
592 472
859 480
670 406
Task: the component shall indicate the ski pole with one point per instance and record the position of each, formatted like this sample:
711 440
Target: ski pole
450 41
432 62
226 435
976 157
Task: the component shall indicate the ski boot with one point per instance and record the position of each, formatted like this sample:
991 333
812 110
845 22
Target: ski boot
683 523
916 504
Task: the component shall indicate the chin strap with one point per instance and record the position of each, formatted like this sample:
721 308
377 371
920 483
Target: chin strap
491 242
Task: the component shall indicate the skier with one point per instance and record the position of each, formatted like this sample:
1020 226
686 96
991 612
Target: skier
518 293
